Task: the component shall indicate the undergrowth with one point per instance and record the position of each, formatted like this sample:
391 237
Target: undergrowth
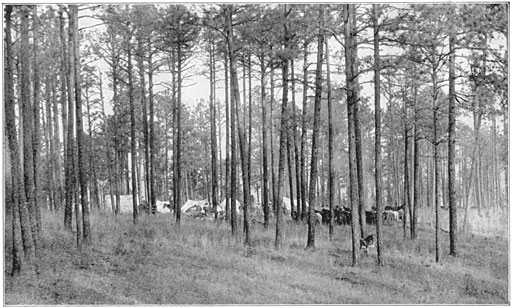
200 262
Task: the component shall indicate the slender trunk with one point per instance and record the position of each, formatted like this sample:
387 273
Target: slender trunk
213 130
151 132
330 145
298 213
416 167
266 210
406 201
226 89
145 132
19 226
436 161
133 146
283 144
303 186
316 128
28 128
452 201
36 137
378 166
352 98
82 173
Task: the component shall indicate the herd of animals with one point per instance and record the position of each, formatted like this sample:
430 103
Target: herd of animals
342 215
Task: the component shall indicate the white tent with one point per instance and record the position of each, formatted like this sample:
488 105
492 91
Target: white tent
222 206
162 208
190 204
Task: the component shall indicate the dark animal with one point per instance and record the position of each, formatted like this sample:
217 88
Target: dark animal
371 217
367 243
326 216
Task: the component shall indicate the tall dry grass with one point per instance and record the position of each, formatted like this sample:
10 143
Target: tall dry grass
199 262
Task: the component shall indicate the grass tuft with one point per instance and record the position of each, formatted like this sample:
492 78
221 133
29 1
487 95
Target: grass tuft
199 262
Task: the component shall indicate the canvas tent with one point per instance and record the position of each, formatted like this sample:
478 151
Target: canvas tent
163 207
191 205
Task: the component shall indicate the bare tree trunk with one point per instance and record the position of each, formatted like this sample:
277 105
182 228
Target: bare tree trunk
17 190
266 210
145 129
352 98
133 146
36 137
298 213
378 166
316 128
80 131
330 146
303 187
213 130
228 161
451 148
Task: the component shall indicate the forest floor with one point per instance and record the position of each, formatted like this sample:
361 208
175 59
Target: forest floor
154 262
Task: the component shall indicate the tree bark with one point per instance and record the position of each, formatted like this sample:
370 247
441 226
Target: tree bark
28 129
316 128
378 166
330 144
303 186
18 193
133 145
266 210
352 99
452 198
213 130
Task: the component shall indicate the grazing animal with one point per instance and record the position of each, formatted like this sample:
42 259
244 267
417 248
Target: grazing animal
371 217
367 243
390 217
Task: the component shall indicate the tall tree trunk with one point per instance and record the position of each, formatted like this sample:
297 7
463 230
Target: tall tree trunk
151 132
68 212
352 98
436 160
416 167
303 186
71 174
330 144
228 161
266 210
50 146
63 102
298 214
133 146
177 175
283 143
213 130
452 198
316 129
378 166
273 184
36 137
80 131
407 194
19 226
145 131
235 98
28 128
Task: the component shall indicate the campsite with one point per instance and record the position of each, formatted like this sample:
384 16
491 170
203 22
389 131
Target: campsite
256 153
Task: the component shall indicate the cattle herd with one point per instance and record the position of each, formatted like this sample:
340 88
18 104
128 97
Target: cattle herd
343 215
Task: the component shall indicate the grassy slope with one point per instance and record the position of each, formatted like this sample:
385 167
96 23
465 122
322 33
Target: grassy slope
156 263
